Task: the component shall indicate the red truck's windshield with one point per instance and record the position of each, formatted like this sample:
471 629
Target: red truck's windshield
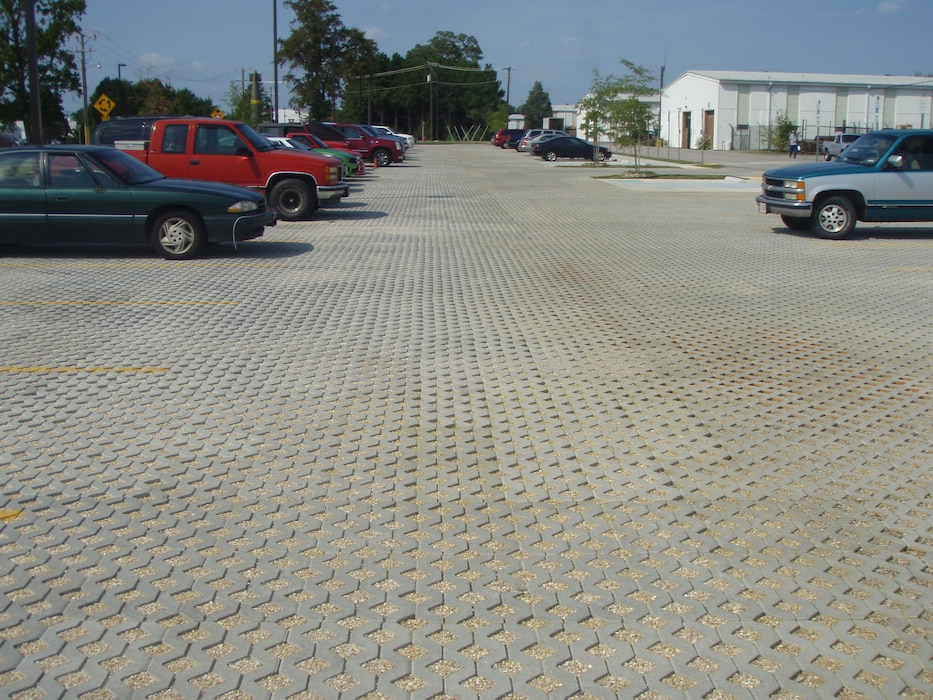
260 143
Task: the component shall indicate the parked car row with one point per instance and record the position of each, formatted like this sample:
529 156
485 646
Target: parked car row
377 146
179 183
549 144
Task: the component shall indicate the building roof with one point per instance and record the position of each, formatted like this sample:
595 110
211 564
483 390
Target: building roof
733 76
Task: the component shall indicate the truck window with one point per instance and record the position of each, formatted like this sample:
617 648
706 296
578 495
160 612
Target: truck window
175 138
918 153
217 140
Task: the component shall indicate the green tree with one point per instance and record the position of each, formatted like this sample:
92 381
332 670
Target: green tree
781 131
145 97
455 93
537 107
56 22
322 55
630 114
596 105
617 107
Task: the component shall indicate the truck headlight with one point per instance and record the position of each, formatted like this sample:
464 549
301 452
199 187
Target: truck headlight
797 189
242 207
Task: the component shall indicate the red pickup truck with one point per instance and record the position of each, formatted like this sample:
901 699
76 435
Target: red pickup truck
380 150
295 183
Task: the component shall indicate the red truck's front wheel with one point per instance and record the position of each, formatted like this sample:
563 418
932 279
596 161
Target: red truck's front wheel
293 199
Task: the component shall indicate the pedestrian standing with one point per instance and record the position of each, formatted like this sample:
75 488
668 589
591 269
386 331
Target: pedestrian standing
794 146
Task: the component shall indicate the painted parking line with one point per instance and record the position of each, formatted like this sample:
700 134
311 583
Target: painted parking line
88 302
48 369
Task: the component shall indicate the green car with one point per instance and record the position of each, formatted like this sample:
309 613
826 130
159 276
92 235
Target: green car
98 194
353 162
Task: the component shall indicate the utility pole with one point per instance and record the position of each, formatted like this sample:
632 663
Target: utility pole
35 104
430 102
508 87
254 101
657 136
87 134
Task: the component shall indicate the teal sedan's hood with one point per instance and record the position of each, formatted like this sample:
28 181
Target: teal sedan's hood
203 187
803 170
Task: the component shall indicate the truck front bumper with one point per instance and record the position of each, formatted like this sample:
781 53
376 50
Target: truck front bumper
784 207
331 194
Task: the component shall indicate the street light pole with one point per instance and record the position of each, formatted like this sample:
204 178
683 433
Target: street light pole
275 59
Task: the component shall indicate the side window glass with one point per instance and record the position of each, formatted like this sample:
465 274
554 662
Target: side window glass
175 138
20 170
925 153
67 172
217 140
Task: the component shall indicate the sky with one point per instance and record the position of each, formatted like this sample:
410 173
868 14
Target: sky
205 45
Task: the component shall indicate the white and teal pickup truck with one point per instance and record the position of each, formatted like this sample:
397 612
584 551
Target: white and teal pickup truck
883 176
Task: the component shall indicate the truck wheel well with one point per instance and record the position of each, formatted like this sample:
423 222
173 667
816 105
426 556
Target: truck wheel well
857 199
278 177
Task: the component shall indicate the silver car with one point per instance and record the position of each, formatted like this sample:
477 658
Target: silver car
524 145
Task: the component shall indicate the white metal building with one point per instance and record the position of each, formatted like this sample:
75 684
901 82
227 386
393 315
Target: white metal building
736 108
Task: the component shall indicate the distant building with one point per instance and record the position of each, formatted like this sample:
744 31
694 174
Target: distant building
735 108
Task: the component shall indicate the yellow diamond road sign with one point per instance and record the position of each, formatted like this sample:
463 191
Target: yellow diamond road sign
218 114
104 105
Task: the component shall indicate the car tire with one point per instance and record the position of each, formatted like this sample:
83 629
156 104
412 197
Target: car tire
834 218
550 155
826 156
178 235
293 199
796 223
382 157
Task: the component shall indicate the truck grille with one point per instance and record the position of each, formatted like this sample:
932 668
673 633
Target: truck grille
777 188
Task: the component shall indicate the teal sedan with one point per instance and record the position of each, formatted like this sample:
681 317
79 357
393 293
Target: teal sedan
97 194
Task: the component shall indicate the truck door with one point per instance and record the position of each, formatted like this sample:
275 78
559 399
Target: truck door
221 155
906 193
356 139
171 156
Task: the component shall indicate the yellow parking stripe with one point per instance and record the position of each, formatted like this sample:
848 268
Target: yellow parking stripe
79 302
42 369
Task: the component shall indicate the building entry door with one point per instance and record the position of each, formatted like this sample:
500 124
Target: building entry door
685 130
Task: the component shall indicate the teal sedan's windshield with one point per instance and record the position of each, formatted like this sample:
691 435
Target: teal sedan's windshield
126 167
868 149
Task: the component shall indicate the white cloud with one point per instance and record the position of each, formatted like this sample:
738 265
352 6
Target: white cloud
377 34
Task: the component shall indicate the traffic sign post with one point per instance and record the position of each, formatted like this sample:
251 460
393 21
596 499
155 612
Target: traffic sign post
105 106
